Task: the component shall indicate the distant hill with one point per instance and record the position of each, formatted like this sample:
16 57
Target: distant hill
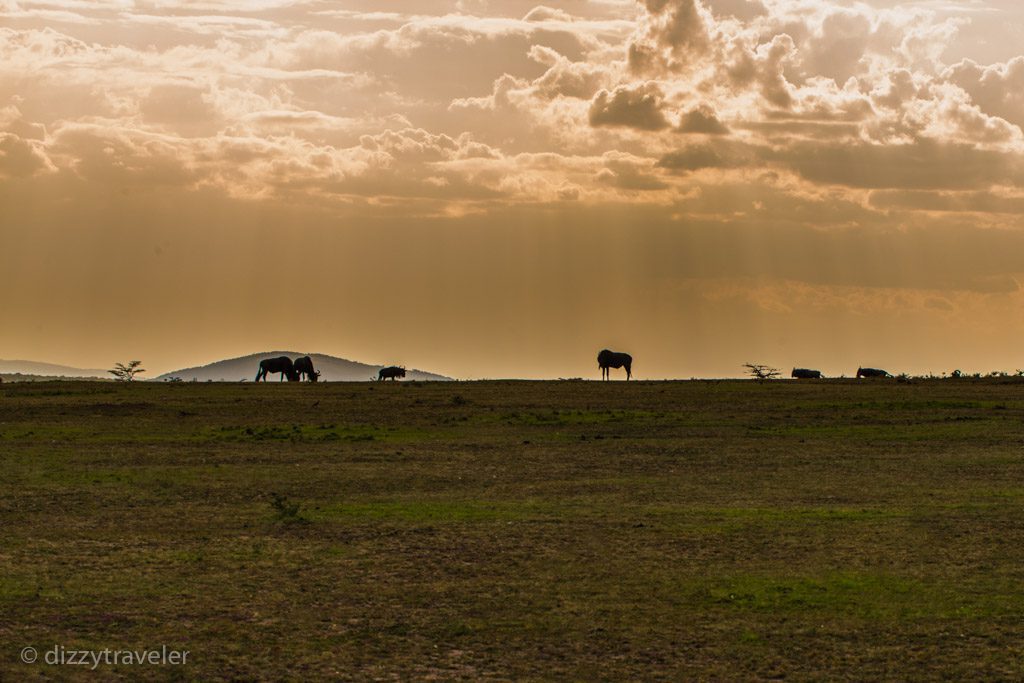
20 377
331 369
30 367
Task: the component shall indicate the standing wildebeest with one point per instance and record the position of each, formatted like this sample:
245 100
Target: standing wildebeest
391 372
613 359
282 364
871 372
304 366
804 373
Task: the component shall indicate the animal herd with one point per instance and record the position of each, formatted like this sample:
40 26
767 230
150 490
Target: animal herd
615 359
804 373
296 370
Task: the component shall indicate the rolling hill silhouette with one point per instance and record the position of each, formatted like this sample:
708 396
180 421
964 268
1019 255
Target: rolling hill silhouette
35 368
332 369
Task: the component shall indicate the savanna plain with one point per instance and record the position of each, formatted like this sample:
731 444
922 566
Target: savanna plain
507 530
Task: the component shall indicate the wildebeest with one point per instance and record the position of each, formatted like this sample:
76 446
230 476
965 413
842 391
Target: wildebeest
871 372
282 364
392 372
804 373
304 366
613 359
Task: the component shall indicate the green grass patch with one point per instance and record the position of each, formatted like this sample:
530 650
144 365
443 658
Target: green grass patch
301 433
581 417
436 511
780 514
943 429
863 595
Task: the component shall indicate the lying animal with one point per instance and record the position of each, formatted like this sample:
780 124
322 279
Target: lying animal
871 372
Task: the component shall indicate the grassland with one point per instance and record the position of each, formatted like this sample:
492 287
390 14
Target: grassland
517 530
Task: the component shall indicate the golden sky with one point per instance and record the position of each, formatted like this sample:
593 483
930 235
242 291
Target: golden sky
497 188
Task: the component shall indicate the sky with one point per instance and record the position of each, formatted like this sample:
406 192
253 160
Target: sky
499 188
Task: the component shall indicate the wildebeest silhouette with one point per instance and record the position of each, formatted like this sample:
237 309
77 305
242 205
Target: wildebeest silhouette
804 373
282 364
304 366
613 359
391 372
871 372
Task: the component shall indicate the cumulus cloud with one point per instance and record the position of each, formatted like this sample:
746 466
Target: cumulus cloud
638 107
693 158
702 120
744 10
122 158
564 77
673 34
629 173
997 89
20 158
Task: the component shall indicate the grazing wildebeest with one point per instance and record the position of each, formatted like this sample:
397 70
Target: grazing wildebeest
613 359
871 372
392 372
282 364
804 373
304 366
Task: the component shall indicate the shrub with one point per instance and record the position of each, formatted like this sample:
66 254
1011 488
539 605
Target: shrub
285 510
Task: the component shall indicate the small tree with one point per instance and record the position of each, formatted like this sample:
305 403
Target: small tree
761 372
126 373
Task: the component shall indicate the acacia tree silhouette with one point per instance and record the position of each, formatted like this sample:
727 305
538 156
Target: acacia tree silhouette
761 372
126 373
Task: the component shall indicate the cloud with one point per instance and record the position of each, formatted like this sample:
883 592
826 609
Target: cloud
564 77
997 89
952 202
638 107
702 120
12 121
543 13
210 24
21 158
628 173
445 57
121 158
180 107
54 12
692 158
744 10
922 165
672 35
711 154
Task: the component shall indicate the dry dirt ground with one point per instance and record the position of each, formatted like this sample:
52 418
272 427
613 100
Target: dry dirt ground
819 530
